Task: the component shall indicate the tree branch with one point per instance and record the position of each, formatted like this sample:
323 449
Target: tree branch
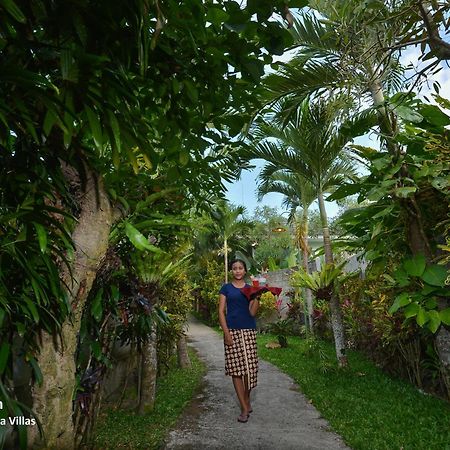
436 43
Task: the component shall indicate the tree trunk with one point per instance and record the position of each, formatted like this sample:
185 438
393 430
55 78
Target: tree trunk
225 249
384 122
305 262
338 330
52 400
183 356
443 348
335 308
325 231
148 372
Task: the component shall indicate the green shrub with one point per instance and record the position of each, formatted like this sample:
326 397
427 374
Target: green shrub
210 285
176 301
267 305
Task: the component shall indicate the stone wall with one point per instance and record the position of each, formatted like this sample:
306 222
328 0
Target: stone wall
280 278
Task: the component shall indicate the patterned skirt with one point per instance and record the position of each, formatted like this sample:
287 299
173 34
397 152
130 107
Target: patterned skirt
241 358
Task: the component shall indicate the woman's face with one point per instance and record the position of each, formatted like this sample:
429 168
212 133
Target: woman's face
238 270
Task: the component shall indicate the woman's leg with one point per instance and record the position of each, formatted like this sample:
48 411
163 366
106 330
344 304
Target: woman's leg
247 393
241 393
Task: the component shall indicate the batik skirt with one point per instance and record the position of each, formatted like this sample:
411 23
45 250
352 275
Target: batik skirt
241 358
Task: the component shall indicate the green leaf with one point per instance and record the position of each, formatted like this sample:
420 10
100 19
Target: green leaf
66 63
431 303
216 15
184 157
400 301
434 115
384 212
138 239
344 191
404 191
96 307
401 277
33 310
445 316
381 162
427 289
42 236
96 128
115 293
4 356
415 266
13 10
2 316
422 317
435 275
37 371
434 322
96 349
114 124
440 183
408 114
411 310
191 90
49 120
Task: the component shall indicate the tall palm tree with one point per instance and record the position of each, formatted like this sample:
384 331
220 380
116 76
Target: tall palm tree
342 52
228 221
312 146
298 193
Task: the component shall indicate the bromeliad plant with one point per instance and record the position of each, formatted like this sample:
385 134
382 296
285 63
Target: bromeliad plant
322 283
422 287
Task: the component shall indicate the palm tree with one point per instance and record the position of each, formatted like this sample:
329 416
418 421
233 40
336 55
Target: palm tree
311 146
298 193
344 54
228 221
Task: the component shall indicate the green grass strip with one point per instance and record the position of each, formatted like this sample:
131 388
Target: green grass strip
124 429
370 410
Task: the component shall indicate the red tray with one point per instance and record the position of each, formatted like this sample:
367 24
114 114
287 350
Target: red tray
253 291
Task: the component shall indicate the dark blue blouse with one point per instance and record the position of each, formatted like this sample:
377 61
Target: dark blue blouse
238 314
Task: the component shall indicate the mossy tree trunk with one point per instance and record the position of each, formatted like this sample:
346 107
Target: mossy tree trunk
148 371
52 400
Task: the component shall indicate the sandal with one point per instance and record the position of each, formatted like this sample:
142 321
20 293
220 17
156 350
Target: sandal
243 418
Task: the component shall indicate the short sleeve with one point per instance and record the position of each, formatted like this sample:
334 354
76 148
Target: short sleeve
223 290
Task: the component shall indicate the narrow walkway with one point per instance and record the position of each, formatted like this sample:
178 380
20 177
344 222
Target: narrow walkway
282 418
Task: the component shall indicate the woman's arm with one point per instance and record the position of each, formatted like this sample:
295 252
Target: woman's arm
223 322
254 306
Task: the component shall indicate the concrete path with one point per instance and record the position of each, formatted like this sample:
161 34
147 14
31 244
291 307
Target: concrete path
282 418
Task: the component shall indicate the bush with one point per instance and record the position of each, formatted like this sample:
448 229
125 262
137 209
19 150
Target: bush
267 305
176 301
400 347
209 292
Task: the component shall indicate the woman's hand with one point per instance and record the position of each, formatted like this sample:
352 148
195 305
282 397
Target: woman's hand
227 338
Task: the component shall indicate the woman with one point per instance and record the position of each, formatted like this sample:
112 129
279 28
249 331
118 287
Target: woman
237 319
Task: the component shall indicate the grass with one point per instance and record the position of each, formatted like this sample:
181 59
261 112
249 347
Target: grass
124 429
370 410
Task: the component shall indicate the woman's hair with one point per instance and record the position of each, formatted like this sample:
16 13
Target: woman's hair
238 260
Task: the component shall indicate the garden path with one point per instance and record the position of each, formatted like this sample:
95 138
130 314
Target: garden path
282 417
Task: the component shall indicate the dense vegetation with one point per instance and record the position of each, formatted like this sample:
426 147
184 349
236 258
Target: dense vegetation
119 124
